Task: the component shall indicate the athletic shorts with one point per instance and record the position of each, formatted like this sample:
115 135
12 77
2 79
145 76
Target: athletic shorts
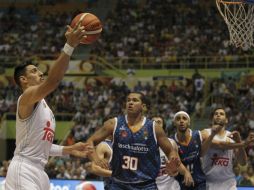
148 185
223 185
23 175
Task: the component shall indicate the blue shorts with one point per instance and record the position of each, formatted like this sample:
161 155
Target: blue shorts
148 185
199 186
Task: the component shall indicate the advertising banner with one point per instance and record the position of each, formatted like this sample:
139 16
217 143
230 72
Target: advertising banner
57 184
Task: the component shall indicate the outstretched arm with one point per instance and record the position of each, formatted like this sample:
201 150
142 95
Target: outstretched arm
34 94
79 149
97 137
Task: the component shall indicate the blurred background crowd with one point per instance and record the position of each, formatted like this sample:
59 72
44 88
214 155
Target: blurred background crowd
147 28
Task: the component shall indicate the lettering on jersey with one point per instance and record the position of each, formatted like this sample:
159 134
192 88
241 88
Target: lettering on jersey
48 133
191 156
219 161
138 148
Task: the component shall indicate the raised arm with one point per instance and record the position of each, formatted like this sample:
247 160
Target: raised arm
34 94
240 154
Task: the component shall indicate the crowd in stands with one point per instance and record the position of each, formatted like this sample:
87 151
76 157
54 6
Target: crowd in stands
134 28
162 28
93 103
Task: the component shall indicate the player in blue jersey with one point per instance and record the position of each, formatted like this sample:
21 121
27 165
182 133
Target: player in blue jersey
136 141
164 181
189 148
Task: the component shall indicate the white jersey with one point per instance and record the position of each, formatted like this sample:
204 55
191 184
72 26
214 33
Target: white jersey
35 134
218 164
164 181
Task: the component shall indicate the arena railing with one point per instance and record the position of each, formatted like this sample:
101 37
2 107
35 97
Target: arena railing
169 62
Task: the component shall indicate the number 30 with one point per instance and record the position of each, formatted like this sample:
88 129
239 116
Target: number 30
130 163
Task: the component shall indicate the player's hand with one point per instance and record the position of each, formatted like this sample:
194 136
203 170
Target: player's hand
103 163
250 139
91 167
235 135
172 166
81 149
216 128
75 35
188 180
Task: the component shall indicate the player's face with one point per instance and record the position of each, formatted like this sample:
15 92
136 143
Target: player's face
219 117
134 103
33 76
182 123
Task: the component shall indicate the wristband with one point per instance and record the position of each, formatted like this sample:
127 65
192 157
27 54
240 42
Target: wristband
68 49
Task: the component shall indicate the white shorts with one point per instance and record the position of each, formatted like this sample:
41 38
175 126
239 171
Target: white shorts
168 183
228 185
22 175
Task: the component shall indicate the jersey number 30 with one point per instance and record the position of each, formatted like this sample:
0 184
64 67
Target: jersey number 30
130 163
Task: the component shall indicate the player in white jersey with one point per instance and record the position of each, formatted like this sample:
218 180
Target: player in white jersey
217 163
35 122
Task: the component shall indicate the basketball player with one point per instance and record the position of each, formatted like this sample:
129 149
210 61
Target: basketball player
163 180
35 122
189 148
218 164
136 140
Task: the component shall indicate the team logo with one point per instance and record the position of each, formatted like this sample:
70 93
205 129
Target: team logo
123 133
219 161
145 134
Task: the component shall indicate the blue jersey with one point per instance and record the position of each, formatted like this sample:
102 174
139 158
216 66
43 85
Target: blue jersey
136 156
190 157
107 180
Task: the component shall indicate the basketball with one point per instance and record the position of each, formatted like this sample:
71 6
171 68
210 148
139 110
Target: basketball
92 26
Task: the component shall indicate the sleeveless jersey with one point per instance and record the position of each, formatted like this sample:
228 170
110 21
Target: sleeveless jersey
136 156
218 164
190 157
35 134
164 181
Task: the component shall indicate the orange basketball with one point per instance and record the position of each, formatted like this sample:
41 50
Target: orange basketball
92 26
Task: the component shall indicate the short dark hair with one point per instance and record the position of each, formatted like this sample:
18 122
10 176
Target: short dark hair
142 97
21 70
218 108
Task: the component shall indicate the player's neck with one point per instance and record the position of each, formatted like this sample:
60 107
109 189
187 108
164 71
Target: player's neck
134 119
222 132
184 137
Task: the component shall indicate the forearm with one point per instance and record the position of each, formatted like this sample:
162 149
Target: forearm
241 156
172 154
206 144
228 145
183 170
102 172
58 69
